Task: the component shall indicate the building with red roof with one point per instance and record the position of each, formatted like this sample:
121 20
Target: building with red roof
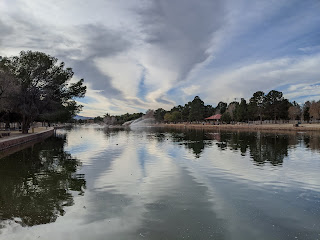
214 117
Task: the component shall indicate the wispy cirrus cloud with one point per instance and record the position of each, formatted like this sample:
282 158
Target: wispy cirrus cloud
136 55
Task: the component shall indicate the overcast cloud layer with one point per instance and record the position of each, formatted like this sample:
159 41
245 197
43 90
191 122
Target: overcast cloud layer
135 55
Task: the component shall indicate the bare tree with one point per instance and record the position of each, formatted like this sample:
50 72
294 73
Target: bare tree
231 109
315 110
294 112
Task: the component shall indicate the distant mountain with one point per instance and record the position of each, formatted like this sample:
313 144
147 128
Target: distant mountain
78 117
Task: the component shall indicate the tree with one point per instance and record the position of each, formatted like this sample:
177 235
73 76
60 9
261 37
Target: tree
186 111
306 113
276 105
98 119
59 112
226 117
196 109
176 108
9 89
294 111
257 105
208 111
159 114
46 90
241 111
168 117
315 110
176 116
121 119
231 109
221 107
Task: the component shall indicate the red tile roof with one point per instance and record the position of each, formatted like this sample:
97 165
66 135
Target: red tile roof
214 117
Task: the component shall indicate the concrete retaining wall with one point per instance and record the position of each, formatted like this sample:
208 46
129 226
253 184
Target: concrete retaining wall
18 140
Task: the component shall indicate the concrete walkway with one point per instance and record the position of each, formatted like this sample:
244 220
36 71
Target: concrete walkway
17 138
15 133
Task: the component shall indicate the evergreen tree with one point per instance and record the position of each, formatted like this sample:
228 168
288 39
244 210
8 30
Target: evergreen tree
256 105
159 114
221 107
186 112
196 109
276 105
241 111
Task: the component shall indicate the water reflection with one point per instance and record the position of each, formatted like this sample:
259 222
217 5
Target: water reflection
168 184
185 212
195 140
312 141
261 146
35 183
145 194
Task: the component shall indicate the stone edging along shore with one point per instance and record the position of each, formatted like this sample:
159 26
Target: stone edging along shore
21 139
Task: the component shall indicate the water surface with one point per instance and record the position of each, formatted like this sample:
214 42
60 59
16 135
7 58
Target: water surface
92 183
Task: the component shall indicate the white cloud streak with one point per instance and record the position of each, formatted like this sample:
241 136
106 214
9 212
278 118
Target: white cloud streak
136 55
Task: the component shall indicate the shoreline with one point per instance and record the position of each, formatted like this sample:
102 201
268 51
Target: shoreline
20 139
247 127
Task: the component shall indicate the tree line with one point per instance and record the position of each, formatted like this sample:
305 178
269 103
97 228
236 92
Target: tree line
118 119
261 106
35 86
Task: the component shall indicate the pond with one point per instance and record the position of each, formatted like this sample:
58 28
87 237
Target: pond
95 183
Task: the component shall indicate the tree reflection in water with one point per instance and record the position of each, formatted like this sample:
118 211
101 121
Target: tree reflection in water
262 147
312 141
36 183
196 140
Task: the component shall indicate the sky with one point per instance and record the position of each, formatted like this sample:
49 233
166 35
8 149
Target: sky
136 55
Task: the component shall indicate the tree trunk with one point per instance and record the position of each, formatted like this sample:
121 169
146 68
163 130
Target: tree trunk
25 124
260 118
7 127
